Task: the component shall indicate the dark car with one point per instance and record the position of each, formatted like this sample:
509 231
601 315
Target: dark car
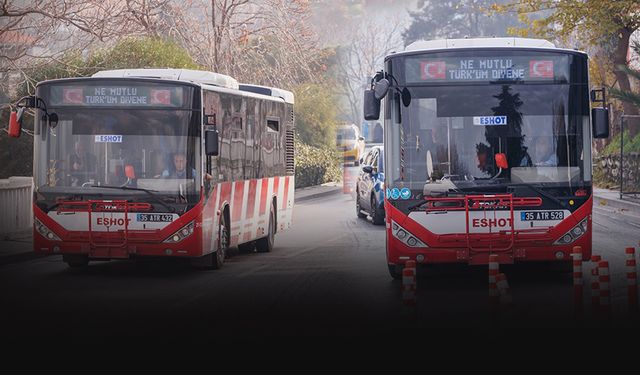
370 186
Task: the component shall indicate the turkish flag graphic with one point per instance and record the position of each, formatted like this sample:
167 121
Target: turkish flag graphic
432 70
160 97
72 96
541 69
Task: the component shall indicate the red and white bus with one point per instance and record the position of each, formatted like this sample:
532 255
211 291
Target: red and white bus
487 151
159 162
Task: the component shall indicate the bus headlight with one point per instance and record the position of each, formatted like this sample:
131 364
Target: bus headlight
44 231
181 234
405 236
572 235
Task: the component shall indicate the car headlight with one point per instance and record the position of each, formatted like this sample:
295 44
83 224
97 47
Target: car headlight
572 235
181 234
44 231
405 236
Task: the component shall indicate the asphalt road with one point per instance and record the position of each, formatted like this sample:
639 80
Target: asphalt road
327 277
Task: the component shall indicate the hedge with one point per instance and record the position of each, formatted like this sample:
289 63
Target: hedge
315 165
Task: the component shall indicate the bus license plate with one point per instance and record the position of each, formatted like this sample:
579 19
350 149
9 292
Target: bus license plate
154 218
541 215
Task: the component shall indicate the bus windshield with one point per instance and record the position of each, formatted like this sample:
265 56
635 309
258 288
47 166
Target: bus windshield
448 137
96 148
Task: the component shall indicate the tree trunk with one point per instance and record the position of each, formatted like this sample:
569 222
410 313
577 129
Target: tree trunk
620 58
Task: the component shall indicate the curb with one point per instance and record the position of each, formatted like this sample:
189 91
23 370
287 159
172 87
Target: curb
333 190
627 207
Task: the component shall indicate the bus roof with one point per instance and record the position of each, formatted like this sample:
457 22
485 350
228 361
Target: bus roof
285 95
471 43
187 75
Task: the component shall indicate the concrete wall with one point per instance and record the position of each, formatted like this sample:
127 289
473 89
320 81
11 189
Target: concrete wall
607 171
16 213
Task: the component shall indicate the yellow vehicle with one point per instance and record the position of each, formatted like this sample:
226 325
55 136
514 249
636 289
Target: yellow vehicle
350 142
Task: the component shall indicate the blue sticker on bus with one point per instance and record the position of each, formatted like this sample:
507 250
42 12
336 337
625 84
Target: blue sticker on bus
395 193
405 193
388 193
490 120
108 139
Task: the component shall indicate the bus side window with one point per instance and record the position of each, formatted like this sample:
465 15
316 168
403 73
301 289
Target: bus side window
273 124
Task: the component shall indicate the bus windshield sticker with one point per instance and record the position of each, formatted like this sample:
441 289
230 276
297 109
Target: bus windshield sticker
487 69
490 120
120 96
108 138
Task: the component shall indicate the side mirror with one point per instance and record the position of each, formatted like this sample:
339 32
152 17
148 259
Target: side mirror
381 88
367 169
211 142
600 122
15 123
361 138
130 172
406 97
501 161
53 120
371 106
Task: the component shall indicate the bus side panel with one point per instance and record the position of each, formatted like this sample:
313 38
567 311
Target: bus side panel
210 221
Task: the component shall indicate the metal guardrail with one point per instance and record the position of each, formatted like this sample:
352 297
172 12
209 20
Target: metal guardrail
16 213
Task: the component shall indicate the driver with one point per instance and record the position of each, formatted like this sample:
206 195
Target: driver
544 155
179 169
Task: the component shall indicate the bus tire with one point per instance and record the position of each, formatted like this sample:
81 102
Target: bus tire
265 244
246 248
377 214
76 260
358 207
218 256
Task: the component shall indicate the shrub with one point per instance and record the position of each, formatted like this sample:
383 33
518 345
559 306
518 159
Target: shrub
316 165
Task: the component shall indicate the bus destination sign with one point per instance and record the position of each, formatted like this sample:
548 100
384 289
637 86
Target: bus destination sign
478 69
121 96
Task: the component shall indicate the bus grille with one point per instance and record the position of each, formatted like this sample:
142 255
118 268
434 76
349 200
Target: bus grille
289 151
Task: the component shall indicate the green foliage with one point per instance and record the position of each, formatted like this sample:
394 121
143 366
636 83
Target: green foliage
594 20
630 144
132 53
316 165
316 111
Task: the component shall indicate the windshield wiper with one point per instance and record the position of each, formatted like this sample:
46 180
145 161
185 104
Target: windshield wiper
150 192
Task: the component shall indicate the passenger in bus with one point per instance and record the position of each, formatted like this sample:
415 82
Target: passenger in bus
179 169
543 154
82 164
